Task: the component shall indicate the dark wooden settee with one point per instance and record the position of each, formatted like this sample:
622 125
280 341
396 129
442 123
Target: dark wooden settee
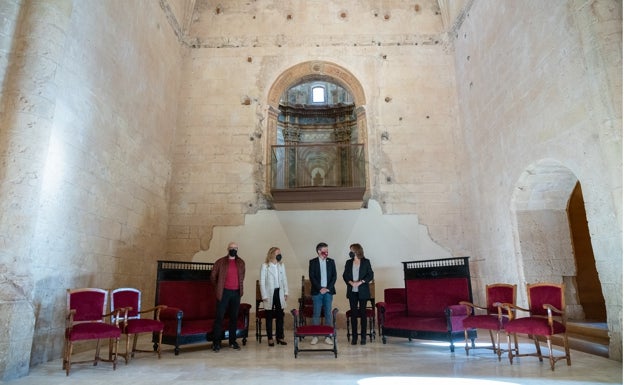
428 307
186 289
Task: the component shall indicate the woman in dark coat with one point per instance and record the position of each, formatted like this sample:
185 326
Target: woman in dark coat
358 273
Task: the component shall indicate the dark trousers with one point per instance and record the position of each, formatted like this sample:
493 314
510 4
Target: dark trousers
230 301
358 310
278 313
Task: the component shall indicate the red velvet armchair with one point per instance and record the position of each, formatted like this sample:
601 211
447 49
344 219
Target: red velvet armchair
130 299
86 320
547 317
490 316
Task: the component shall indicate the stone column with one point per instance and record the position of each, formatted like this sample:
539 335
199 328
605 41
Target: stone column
31 45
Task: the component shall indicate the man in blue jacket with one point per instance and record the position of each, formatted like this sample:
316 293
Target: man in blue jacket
322 273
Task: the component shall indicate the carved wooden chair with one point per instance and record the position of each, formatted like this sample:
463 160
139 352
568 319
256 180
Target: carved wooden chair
86 320
260 313
303 330
370 314
547 317
490 316
130 299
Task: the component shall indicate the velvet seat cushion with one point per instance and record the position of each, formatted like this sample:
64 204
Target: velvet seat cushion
534 325
484 321
143 326
312 330
92 330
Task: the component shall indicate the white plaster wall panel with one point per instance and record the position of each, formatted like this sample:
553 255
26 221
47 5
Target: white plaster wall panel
387 240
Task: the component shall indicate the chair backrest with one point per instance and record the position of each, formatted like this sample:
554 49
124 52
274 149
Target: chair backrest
499 293
306 287
259 302
371 286
539 294
127 297
89 304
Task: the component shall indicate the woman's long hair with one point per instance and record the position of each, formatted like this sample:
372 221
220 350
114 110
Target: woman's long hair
270 254
358 250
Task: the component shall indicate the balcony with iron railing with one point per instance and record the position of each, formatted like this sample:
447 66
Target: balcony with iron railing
317 176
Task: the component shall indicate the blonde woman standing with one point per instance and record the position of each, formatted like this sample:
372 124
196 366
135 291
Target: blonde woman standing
274 291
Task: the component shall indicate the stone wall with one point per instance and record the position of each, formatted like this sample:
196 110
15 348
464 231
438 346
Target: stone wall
89 113
540 106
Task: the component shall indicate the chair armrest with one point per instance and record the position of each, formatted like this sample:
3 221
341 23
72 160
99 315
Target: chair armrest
171 313
551 309
119 314
156 309
69 320
471 307
456 310
511 309
244 307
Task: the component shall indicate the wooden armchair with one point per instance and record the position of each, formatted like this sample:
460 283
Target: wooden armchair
130 299
547 317
86 320
490 316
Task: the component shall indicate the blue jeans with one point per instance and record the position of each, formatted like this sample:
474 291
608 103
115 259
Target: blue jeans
323 301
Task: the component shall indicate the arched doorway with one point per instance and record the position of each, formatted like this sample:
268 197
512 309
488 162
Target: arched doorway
330 173
554 244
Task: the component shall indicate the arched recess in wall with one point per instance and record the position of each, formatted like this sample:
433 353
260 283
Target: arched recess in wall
553 239
312 71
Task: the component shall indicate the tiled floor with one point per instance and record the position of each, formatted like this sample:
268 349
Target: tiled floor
399 362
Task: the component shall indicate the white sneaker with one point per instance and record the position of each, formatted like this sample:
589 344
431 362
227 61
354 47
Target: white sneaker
329 341
314 341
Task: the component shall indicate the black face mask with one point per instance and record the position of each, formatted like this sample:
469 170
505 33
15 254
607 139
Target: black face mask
232 252
278 257
351 254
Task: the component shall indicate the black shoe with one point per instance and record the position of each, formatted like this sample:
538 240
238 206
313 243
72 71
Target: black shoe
234 345
282 342
353 341
271 343
363 342
216 347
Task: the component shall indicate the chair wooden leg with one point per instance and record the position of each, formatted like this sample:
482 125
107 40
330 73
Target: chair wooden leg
349 328
498 349
126 355
466 339
115 350
67 358
97 353
566 347
494 346
159 343
538 348
551 358
135 339
509 345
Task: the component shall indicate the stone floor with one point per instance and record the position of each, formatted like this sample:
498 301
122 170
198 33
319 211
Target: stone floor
399 362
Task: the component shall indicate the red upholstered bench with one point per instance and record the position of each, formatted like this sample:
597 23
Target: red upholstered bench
428 307
186 289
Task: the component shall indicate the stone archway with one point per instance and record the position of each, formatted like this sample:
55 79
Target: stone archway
544 234
308 71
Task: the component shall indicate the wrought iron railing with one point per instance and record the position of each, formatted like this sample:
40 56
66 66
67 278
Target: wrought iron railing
317 165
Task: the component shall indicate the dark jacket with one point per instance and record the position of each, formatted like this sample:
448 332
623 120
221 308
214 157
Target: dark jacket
219 271
365 273
314 272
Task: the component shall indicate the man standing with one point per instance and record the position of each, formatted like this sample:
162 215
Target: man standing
228 274
322 273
